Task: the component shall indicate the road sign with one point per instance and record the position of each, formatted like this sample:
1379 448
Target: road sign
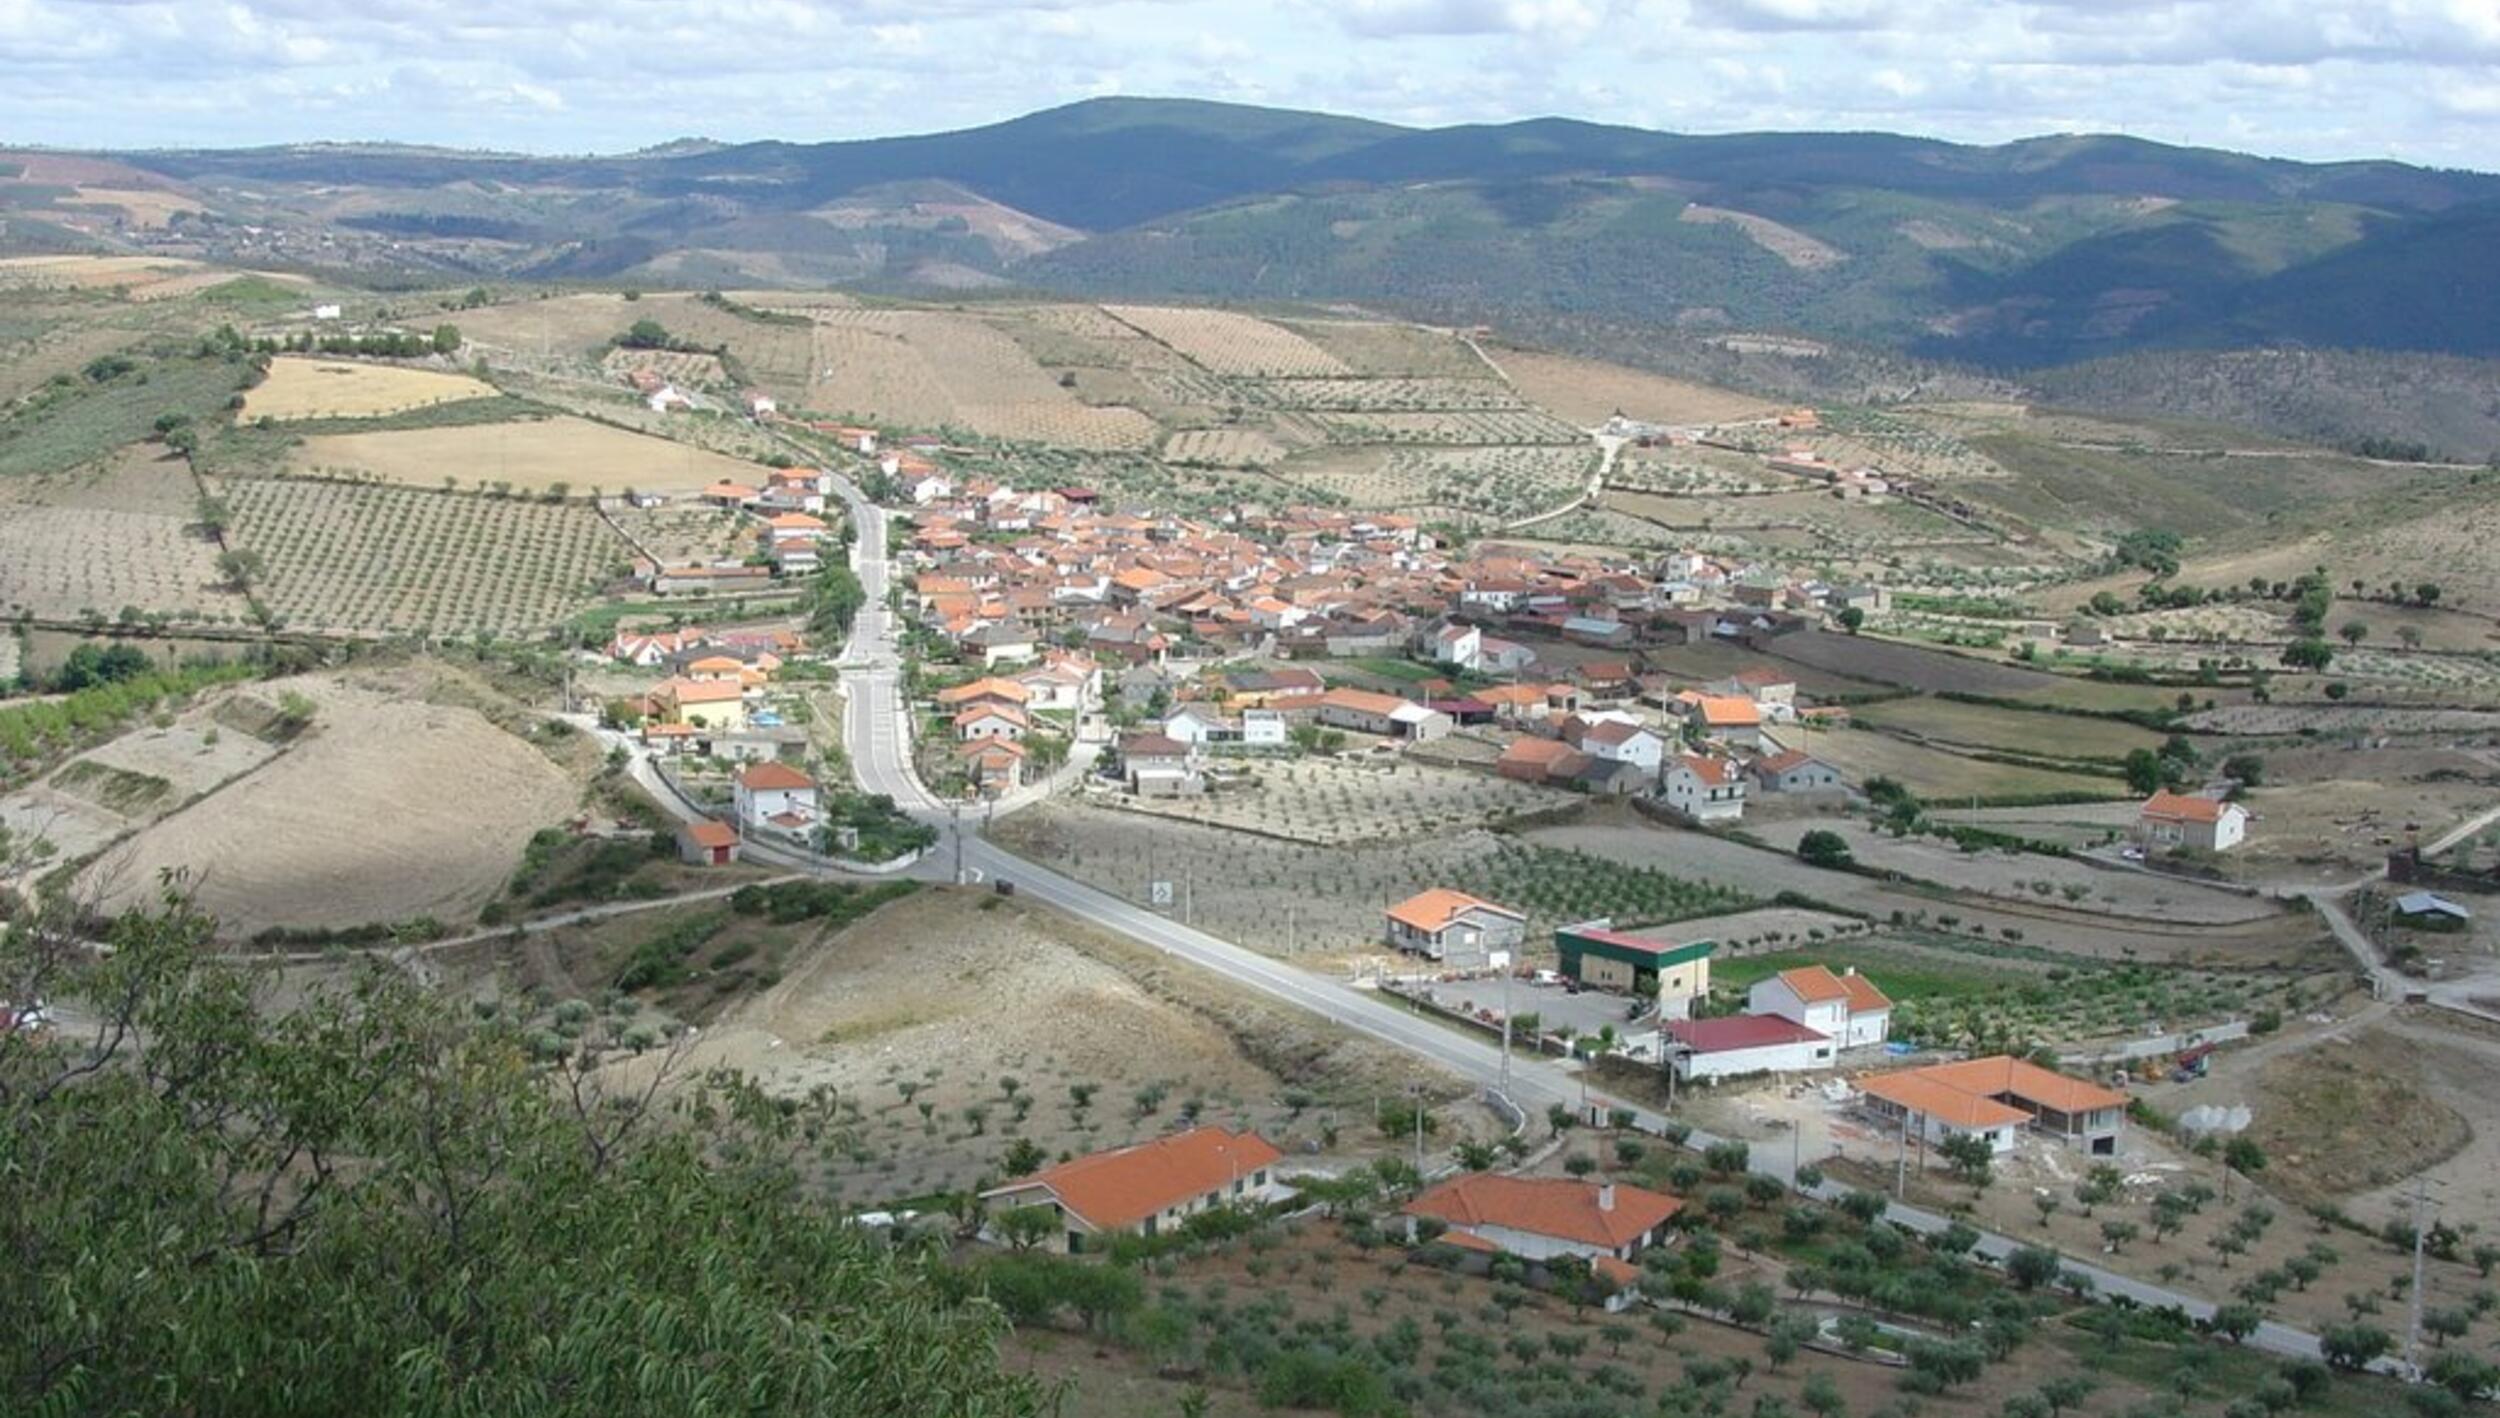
1159 893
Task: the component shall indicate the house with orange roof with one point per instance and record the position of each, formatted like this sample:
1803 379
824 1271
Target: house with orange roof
1796 771
1529 759
712 704
988 688
1147 1189
1995 1098
1846 1006
2169 822
995 764
794 527
1726 718
772 793
991 719
707 843
1703 789
1455 928
729 494
1544 1218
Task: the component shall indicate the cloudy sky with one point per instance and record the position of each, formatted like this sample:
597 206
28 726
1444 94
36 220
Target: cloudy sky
2414 79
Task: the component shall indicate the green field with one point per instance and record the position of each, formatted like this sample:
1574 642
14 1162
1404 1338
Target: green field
1998 730
1942 776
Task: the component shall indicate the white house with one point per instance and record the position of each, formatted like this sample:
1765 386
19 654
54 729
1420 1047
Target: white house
1540 1218
1460 646
2170 821
1147 1188
1198 725
1263 728
1618 740
325 312
1703 790
1796 771
760 405
1000 644
774 794
1846 1006
1734 1045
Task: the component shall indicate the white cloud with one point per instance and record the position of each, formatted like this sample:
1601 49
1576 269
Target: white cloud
2305 77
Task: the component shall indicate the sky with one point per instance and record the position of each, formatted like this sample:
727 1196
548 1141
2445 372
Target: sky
2412 79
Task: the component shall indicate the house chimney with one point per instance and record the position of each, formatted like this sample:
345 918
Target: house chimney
1606 1196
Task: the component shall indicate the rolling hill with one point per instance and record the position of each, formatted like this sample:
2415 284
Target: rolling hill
2023 255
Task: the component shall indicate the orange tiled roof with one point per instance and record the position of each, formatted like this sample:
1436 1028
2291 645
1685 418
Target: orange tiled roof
1814 984
1559 1207
2183 807
1111 1190
769 777
1429 911
708 834
1965 1094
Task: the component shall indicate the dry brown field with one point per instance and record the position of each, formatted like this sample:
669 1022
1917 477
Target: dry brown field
344 389
683 369
932 369
900 1013
528 456
388 808
1786 242
1390 348
103 539
1226 342
1460 426
1587 392
1224 448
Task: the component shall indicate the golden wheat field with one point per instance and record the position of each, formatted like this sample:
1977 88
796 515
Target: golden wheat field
346 389
529 456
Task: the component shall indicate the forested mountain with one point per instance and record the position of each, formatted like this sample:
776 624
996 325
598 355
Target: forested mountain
2027 254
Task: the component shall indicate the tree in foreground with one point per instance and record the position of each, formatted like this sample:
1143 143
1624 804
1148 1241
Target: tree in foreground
372 1204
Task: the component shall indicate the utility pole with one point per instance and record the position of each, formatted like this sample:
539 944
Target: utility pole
1507 970
1901 1161
955 821
2413 1328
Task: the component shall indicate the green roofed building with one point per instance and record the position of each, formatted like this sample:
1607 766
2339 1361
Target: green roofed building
1629 964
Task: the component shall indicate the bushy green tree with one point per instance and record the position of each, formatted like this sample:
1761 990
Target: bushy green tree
368 1202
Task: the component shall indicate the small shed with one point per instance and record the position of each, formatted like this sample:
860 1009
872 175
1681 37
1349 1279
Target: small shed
2430 908
707 843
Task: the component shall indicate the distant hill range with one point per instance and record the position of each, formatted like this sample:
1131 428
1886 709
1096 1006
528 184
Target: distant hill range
2047 251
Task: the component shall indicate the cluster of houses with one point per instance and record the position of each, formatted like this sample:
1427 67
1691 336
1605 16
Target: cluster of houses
992 718
711 701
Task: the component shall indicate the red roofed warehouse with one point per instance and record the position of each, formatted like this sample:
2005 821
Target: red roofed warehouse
1148 1188
1538 1218
1455 927
1737 1044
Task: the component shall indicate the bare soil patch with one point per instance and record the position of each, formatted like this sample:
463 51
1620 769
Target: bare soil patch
346 389
1588 392
388 809
532 456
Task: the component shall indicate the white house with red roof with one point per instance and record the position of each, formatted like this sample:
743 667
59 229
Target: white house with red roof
1542 1218
1703 790
1846 1006
1616 738
772 794
1149 1188
2170 821
1796 771
1734 1045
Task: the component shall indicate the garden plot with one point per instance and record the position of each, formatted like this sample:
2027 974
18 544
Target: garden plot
1588 392
902 1015
1301 899
1223 448
1496 482
99 541
686 532
1335 803
1456 427
1694 472
1224 342
1910 666
298 388
395 560
681 368
553 455
2229 622
387 809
